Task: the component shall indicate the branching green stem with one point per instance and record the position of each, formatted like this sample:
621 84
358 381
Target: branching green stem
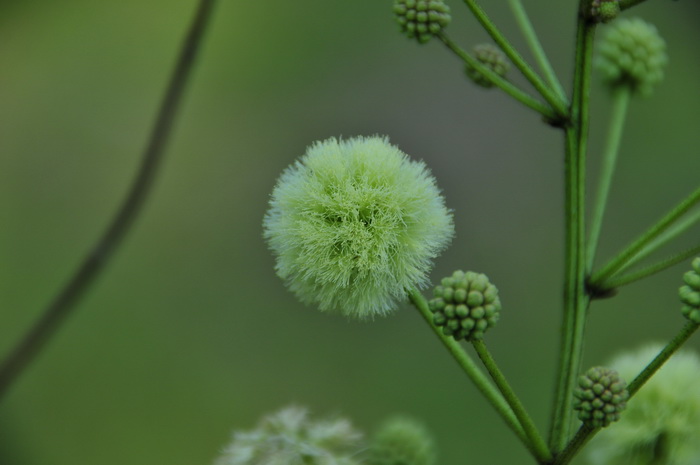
672 233
650 235
585 433
575 298
620 103
65 302
499 81
619 281
536 47
550 96
542 452
472 371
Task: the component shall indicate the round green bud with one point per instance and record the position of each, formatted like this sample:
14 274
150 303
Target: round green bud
493 58
600 397
467 305
604 11
402 441
633 55
354 223
421 19
690 293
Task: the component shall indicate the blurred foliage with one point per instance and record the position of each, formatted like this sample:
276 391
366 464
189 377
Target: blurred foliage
189 333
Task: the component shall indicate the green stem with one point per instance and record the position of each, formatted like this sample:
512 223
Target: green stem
498 80
57 312
619 281
580 439
675 344
575 298
620 103
586 433
536 47
672 233
651 234
542 453
472 370
557 104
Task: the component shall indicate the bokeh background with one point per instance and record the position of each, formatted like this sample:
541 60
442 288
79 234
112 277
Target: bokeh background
189 334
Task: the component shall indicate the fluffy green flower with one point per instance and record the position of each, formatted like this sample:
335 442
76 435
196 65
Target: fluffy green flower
354 223
402 441
662 421
633 54
289 437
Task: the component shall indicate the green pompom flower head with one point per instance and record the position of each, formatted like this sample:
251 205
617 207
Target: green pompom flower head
690 293
402 441
465 305
493 58
422 19
633 54
290 437
354 224
600 397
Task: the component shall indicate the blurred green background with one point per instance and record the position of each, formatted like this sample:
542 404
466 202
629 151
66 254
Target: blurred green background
189 334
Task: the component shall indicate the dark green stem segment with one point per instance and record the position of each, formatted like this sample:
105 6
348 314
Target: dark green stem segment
575 298
585 433
628 254
499 81
65 302
542 453
472 371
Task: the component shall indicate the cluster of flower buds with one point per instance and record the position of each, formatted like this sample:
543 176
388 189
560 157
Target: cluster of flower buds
493 58
465 305
600 397
422 19
690 293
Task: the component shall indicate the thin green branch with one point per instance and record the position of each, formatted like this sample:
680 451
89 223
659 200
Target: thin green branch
675 344
542 452
620 103
586 433
557 104
672 233
619 281
536 47
499 81
621 259
65 302
472 370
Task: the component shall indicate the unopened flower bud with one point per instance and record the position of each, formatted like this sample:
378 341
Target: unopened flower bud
465 305
633 54
690 293
600 397
422 19
604 11
493 58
